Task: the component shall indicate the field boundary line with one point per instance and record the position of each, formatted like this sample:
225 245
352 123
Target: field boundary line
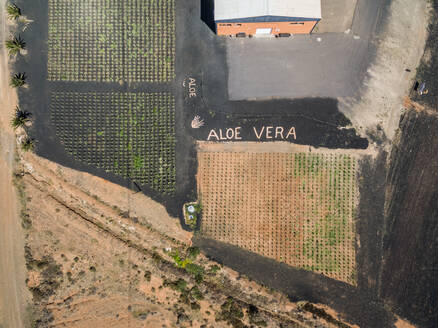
278 147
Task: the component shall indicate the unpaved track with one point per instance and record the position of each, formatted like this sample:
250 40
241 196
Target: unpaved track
12 266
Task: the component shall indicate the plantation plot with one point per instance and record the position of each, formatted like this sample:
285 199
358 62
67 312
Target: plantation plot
129 134
111 40
297 208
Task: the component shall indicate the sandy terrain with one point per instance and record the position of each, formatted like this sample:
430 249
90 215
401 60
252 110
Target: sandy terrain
12 268
400 47
127 202
93 264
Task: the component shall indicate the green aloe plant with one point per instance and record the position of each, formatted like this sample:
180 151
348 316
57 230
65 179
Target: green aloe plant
13 11
18 80
20 118
27 144
15 45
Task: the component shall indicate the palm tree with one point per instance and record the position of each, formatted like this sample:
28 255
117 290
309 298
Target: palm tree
27 144
20 118
13 11
18 80
15 45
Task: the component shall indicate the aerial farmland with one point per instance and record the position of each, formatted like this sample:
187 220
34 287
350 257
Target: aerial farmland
302 215
218 163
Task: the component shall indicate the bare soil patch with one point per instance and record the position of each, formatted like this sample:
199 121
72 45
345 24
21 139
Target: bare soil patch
401 41
13 294
428 66
126 202
93 264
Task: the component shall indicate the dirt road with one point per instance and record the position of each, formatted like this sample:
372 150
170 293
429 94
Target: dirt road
12 266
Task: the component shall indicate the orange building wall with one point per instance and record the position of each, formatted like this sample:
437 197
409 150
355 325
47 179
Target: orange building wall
304 27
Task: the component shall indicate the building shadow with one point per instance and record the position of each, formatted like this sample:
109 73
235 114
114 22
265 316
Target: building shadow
207 14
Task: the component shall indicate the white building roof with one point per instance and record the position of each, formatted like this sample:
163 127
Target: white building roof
234 9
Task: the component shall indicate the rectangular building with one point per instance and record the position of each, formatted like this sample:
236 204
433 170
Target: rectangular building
266 17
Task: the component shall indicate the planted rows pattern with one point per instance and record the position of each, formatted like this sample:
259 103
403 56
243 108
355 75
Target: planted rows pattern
111 40
129 134
296 208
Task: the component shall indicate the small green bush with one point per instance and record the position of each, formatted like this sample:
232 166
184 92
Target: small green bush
13 11
193 252
15 45
231 313
20 118
195 270
213 269
27 144
18 80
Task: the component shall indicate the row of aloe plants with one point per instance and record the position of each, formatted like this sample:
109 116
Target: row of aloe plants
15 46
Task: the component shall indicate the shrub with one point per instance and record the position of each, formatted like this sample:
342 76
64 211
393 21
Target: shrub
231 313
178 285
193 252
180 262
27 144
195 270
255 318
213 269
196 294
18 80
15 45
195 306
20 118
13 11
140 314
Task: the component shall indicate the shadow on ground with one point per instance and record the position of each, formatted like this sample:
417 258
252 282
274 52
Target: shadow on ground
207 14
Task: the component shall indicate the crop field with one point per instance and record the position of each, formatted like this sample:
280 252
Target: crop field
297 208
129 134
111 40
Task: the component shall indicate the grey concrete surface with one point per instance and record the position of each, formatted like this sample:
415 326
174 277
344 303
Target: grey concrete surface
319 65
337 16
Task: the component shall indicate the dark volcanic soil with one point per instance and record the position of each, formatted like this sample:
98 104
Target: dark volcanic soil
359 305
370 222
200 55
355 306
410 270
